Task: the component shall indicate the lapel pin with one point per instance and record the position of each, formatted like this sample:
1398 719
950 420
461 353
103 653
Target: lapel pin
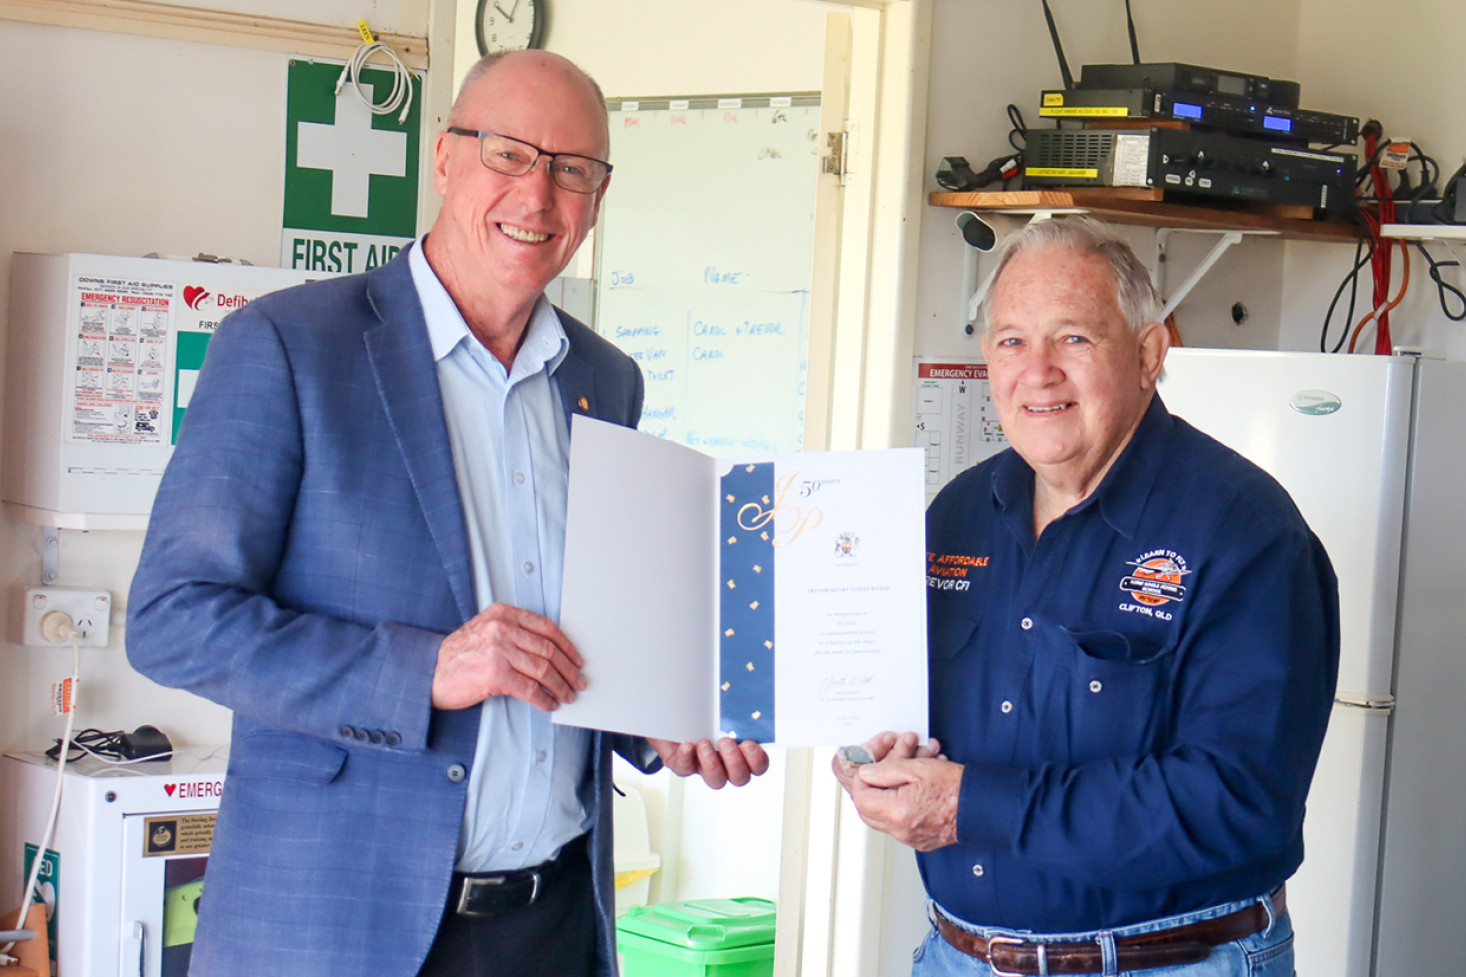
583 403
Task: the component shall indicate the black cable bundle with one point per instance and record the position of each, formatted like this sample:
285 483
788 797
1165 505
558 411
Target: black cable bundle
145 742
955 173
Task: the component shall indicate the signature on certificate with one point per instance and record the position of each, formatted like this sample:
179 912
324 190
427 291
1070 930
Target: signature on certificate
833 688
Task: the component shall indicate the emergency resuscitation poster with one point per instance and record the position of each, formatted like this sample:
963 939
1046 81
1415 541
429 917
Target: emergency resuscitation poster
121 355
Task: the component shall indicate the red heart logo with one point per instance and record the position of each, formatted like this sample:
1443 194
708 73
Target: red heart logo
192 294
169 788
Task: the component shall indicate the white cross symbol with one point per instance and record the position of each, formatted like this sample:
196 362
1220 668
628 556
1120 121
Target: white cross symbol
352 150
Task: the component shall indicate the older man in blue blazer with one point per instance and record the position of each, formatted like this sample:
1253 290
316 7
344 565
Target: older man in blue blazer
357 549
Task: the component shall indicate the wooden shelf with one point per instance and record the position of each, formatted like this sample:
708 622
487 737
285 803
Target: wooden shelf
1144 207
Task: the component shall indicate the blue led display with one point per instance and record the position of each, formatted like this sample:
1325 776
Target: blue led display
1185 110
1277 123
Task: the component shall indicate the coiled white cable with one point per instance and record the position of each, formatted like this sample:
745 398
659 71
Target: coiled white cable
401 94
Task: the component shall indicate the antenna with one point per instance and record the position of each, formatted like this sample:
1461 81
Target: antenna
1059 47
1130 23
1064 71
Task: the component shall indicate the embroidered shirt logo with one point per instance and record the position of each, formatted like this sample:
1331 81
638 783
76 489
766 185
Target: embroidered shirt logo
948 571
1155 578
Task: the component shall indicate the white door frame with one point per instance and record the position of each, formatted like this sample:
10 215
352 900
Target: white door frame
834 870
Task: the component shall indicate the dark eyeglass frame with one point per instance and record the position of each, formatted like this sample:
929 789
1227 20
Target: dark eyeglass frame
481 134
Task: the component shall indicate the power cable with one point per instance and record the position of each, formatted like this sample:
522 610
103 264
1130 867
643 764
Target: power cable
401 94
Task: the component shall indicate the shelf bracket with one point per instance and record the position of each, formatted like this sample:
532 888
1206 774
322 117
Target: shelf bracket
974 293
1158 268
50 556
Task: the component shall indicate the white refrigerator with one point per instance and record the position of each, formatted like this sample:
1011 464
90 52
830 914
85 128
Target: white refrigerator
1373 451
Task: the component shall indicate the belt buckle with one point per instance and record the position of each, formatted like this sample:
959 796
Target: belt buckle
1010 941
469 885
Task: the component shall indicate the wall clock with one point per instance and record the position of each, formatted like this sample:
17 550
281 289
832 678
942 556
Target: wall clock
509 25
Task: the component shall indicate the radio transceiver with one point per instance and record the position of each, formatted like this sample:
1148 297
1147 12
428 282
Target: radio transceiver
1214 111
1184 162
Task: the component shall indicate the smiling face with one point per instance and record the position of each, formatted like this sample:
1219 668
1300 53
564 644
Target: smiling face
499 240
1069 378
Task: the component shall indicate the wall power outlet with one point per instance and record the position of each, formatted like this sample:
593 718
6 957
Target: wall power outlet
90 612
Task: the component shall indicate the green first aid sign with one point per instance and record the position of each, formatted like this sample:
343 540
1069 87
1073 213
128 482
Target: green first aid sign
48 884
189 361
351 177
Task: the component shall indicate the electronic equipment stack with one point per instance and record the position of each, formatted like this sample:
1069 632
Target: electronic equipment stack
1193 132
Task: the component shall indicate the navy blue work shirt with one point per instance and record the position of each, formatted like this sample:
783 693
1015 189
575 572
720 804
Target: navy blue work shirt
1138 697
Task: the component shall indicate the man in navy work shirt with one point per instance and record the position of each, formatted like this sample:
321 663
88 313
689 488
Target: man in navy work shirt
1134 642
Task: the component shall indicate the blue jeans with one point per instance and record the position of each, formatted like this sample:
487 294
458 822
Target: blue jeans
1265 954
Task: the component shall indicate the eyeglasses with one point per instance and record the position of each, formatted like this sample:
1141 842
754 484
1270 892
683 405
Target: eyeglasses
515 157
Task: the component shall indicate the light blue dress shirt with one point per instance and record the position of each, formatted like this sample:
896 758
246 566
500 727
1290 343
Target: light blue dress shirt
511 452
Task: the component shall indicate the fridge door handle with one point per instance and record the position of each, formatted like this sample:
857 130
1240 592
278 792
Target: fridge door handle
140 936
1380 705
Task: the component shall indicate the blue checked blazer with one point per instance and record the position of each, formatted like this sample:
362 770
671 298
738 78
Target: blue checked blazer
306 555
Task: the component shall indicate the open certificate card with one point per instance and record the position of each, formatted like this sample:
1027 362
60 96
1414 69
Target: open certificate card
781 600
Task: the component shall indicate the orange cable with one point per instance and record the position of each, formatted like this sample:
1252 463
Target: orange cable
1384 310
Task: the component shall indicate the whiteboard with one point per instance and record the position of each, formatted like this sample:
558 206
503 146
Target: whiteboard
704 254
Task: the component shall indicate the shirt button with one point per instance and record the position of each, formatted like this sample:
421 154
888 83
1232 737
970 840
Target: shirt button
1007 707
1026 624
517 845
1095 686
519 478
456 773
977 870
541 755
528 567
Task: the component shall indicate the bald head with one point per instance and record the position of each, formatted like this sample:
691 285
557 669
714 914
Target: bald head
507 67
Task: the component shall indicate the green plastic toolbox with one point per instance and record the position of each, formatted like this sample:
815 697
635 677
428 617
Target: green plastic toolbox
698 938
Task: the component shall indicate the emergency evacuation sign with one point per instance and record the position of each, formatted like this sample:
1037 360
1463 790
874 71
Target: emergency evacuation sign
351 177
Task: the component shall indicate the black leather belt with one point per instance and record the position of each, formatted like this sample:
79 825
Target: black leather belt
1011 956
496 893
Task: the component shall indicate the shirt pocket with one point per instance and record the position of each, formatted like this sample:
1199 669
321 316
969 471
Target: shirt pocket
1117 693
949 634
